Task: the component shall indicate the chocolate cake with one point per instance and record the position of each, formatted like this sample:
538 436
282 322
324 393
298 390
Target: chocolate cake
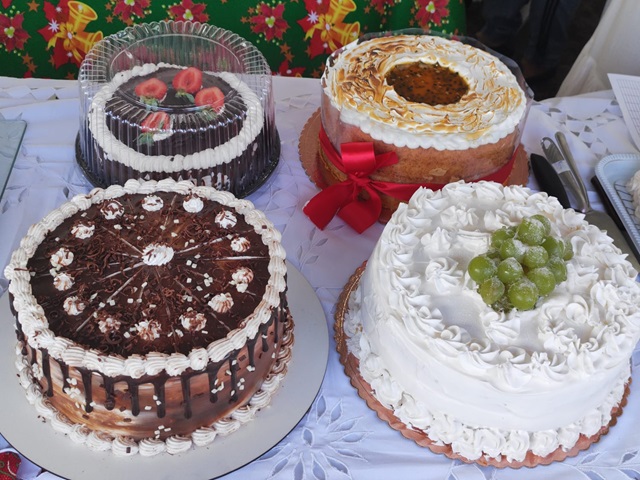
151 316
158 120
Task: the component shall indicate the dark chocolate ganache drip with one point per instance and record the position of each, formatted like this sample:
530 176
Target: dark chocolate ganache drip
190 125
143 274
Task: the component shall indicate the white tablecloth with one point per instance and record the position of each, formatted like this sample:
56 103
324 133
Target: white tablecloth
339 437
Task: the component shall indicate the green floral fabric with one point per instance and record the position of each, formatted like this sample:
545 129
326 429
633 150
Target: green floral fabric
50 39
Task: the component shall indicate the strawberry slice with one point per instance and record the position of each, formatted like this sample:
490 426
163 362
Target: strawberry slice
155 122
187 82
211 97
151 91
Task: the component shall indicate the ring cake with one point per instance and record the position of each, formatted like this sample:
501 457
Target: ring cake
449 111
150 114
151 316
511 387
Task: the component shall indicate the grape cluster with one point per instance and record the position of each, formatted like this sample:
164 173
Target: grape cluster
525 262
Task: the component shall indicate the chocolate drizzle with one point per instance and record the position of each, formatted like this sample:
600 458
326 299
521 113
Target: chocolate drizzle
212 370
46 370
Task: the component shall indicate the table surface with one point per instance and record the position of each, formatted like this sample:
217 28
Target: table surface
339 437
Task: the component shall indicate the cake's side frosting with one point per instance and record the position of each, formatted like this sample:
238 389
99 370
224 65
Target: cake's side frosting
492 383
152 313
355 82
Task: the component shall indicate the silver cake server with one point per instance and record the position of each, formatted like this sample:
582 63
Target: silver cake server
570 176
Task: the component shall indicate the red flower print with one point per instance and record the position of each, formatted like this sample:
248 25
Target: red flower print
269 21
65 33
379 5
12 35
325 28
431 11
284 70
189 11
126 9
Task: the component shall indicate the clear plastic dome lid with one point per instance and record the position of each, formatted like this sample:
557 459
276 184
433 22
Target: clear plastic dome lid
179 99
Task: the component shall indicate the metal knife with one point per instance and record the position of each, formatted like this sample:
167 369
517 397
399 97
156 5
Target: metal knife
570 178
548 179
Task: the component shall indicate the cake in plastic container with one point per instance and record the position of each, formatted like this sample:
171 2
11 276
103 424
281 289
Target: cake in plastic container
184 100
448 108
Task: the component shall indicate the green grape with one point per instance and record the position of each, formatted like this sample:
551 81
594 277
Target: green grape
512 247
535 256
523 294
568 250
531 231
544 279
501 235
546 223
494 254
481 267
554 247
523 263
510 270
558 268
491 290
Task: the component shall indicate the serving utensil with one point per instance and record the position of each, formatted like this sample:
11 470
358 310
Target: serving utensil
564 165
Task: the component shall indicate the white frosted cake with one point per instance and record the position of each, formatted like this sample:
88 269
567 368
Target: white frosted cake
503 387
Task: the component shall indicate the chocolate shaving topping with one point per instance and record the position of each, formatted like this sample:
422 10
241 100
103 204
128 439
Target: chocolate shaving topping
133 306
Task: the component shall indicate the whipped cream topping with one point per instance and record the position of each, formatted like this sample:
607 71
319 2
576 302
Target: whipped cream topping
240 244
486 382
224 153
355 83
226 219
193 204
62 281
112 210
62 258
83 231
152 203
156 254
222 302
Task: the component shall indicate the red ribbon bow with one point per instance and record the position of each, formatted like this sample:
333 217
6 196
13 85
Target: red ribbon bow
358 160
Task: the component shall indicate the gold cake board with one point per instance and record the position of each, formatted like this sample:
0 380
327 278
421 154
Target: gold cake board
352 368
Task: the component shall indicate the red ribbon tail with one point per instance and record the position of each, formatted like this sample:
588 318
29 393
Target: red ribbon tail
361 214
326 203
